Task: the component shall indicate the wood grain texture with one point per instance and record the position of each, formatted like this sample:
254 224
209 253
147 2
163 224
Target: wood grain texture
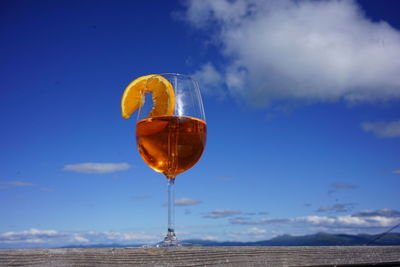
204 256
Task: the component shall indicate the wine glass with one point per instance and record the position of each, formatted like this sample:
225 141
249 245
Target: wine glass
173 143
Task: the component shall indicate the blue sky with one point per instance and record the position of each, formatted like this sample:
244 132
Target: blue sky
302 107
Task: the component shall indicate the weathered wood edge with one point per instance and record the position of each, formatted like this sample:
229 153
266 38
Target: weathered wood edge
204 256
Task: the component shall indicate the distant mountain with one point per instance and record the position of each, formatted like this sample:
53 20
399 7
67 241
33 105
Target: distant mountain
319 239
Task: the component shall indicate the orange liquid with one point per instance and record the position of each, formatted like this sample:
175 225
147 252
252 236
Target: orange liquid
171 144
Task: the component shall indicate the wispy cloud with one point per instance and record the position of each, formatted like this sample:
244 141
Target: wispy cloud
185 201
387 213
344 186
396 171
346 207
19 183
248 221
217 214
10 184
332 191
300 50
383 129
99 168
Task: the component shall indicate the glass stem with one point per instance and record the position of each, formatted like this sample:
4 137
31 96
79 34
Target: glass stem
171 211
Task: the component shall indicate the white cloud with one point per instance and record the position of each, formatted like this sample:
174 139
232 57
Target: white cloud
52 238
301 50
216 214
383 129
80 239
255 230
210 237
348 221
117 236
92 167
396 171
185 201
28 236
211 80
363 221
255 233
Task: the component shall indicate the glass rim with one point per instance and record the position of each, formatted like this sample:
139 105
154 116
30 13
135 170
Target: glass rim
178 75
175 79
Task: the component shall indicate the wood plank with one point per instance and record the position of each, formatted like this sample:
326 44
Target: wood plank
204 256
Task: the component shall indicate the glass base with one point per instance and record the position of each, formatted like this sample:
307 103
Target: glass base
170 240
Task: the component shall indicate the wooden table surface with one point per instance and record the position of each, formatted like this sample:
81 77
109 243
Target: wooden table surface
204 256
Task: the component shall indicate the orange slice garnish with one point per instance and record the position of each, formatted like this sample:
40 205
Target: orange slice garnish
162 94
